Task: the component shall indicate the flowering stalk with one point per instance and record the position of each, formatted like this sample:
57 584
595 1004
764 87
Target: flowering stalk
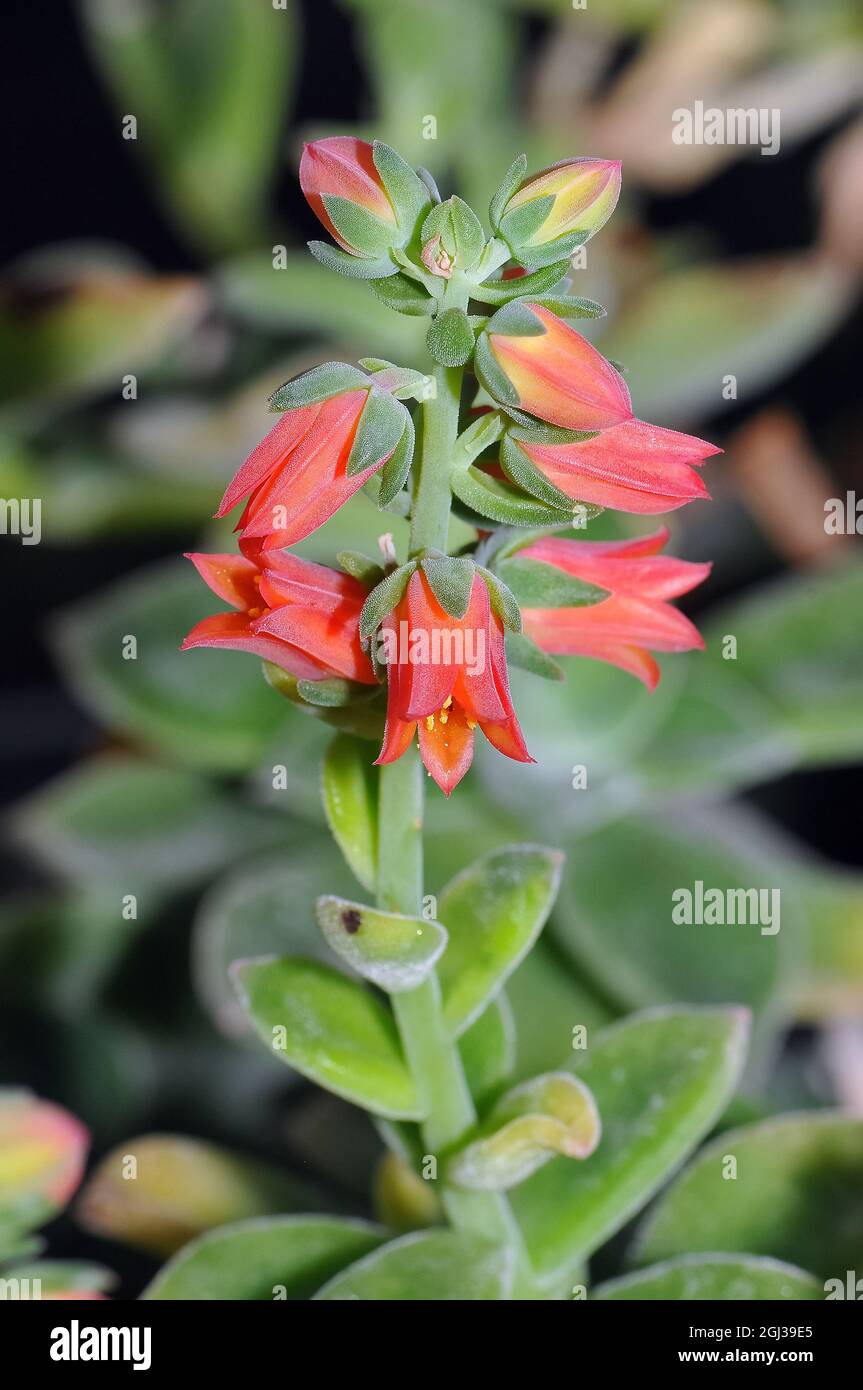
527 428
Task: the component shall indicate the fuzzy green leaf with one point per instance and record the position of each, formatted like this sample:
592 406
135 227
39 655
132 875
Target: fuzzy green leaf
355 267
725 1278
424 1266
407 193
404 295
798 1196
493 911
450 338
396 470
273 1257
394 952
362 230
534 285
536 584
660 1080
349 790
489 497
487 1049
384 598
330 379
512 179
548 1115
332 1030
381 426
451 581
523 652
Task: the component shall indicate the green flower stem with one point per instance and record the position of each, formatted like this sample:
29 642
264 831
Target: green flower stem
434 1059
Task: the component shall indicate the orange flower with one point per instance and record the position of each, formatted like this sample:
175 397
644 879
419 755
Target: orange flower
446 676
300 616
343 167
634 620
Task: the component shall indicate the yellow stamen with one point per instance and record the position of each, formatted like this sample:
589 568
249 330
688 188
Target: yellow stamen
255 612
444 718
447 702
471 723
429 722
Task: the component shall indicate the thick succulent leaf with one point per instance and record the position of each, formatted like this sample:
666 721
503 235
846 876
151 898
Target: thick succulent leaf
797 1196
487 1049
156 696
405 295
502 291
138 825
493 912
332 1030
551 1005
719 1278
178 1188
642 934
395 953
278 1257
548 1115
349 790
832 984
660 1080
434 1266
266 906
59 1279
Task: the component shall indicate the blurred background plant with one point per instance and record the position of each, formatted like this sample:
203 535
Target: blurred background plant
156 289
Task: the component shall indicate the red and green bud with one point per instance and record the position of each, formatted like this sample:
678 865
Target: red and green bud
366 196
630 467
634 619
321 452
533 363
545 217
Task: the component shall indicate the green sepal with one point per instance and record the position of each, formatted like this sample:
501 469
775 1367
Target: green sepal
330 1029
536 584
364 718
491 375
541 432
523 652
479 436
384 598
523 473
547 1116
503 601
516 320
333 693
405 189
394 952
362 230
534 257
400 504
361 567
355 267
485 496
540 282
521 223
349 795
451 581
381 425
512 180
319 384
404 295
450 338
401 382
394 473
570 306
459 229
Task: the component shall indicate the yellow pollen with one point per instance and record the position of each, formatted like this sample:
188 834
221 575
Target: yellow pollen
443 717
429 722
471 723
255 612
447 702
